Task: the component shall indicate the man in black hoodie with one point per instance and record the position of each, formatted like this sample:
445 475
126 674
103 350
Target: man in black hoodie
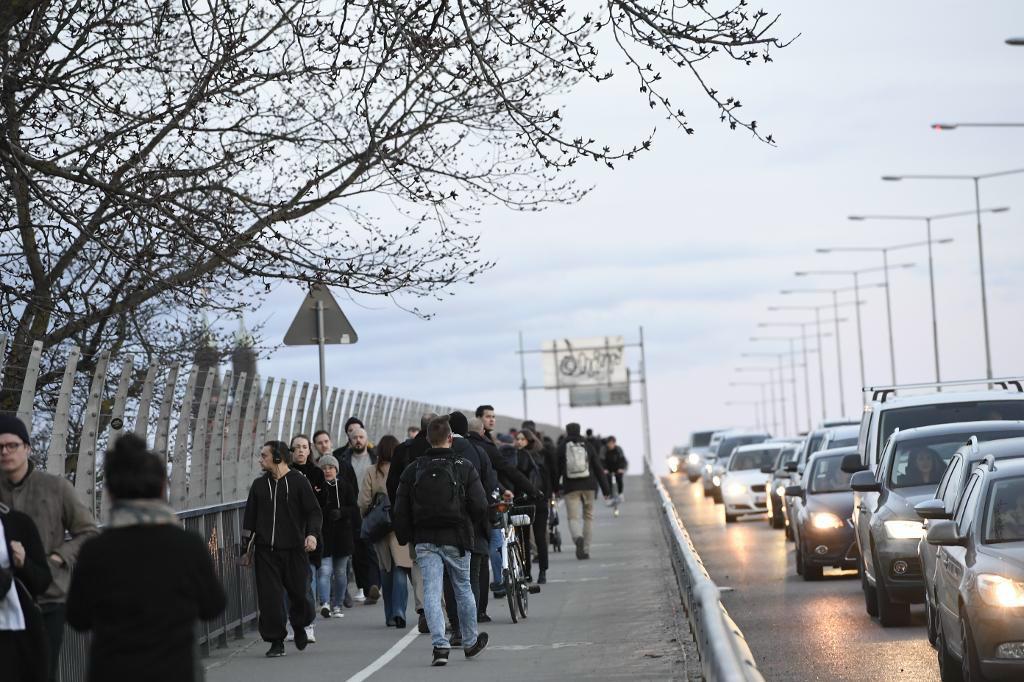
580 474
283 521
439 501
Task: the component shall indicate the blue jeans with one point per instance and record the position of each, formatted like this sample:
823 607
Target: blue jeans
334 573
496 541
433 559
395 588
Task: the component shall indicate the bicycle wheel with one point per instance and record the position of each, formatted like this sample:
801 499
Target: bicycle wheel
523 591
511 584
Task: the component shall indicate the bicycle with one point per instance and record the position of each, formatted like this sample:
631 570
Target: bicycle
513 571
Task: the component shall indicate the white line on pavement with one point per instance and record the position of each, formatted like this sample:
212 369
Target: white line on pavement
398 647
579 580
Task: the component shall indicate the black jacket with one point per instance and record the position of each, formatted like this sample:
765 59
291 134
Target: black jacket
282 512
404 454
592 482
403 518
140 590
614 459
477 456
339 534
509 477
548 469
23 653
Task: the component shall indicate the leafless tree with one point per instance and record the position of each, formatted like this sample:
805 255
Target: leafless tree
159 157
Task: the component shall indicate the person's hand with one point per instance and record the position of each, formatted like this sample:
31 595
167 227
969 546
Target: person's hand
507 495
17 554
310 543
56 558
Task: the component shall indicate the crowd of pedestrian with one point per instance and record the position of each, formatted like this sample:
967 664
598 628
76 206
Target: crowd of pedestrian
394 517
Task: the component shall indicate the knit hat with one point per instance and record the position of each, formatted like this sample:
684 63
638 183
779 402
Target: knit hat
328 461
459 423
13 425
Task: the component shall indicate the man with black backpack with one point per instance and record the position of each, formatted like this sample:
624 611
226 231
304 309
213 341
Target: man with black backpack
580 474
439 501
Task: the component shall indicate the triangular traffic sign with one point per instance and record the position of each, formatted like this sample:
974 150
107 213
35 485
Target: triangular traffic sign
337 328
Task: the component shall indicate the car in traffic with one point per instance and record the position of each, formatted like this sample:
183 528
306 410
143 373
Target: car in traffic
812 442
986 442
744 486
840 437
822 528
675 461
888 528
979 577
715 467
698 453
779 478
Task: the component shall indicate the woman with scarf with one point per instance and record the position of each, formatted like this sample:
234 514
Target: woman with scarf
144 581
537 465
24 575
394 559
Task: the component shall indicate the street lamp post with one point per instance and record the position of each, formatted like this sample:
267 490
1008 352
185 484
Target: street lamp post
927 219
782 379
807 366
976 179
954 126
792 372
770 384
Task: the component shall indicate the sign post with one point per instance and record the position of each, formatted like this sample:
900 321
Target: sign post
320 322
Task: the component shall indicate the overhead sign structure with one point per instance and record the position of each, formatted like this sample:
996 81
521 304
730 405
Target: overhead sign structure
319 322
599 396
596 361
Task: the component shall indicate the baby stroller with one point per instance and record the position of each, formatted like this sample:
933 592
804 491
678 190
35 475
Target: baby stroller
554 536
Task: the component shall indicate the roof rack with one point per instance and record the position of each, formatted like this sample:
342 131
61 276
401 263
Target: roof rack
990 462
973 442
881 393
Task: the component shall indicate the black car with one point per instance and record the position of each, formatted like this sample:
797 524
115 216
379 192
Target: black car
822 529
777 484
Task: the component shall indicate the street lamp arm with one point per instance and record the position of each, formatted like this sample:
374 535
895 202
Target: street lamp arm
937 216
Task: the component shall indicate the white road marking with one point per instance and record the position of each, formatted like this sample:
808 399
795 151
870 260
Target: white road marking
580 580
398 647
554 645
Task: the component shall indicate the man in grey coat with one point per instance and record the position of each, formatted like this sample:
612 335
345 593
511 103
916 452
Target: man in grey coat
56 509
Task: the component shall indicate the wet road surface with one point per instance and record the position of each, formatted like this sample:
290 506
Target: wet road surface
797 630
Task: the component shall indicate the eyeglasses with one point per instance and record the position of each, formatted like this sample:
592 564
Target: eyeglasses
10 447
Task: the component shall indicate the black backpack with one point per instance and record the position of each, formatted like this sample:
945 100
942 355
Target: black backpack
438 496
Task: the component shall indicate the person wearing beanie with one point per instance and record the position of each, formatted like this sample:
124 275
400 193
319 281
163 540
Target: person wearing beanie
580 474
338 502
138 631
58 512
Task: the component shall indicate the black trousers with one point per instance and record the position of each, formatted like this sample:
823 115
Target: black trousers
280 572
53 621
450 605
483 586
364 565
540 536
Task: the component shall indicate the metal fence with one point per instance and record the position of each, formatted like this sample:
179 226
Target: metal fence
208 426
724 654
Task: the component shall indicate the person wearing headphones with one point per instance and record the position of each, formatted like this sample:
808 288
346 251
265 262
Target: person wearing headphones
282 524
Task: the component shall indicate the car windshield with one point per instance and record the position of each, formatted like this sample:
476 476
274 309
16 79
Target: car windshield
827 477
753 459
922 461
842 442
786 455
814 442
701 439
1004 520
727 445
904 418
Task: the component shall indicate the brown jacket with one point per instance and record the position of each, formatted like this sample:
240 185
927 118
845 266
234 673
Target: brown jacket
388 550
55 507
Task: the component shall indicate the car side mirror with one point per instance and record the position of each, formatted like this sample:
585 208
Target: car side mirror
791 467
932 509
851 464
945 534
864 482
794 491
768 469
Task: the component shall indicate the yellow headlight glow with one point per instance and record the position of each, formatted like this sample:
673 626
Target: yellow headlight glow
995 590
904 530
825 520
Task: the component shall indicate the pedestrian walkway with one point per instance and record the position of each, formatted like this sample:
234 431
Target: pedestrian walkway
613 617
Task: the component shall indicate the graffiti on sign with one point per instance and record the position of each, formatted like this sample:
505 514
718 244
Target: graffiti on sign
584 362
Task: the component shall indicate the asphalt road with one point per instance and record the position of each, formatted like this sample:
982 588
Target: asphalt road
603 619
797 630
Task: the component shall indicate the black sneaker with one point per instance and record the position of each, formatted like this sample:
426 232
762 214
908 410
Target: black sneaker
301 638
276 649
579 548
455 640
440 657
481 643
422 624
483 618
586 555
347 601
542 579
399 622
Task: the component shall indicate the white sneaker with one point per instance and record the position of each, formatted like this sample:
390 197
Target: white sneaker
325 610
310 635
359 596
291 635
336 612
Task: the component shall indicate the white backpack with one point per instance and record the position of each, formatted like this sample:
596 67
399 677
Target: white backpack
577 461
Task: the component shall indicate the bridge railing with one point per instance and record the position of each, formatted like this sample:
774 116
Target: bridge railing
724 654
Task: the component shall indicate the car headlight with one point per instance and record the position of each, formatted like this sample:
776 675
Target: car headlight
693 458
781 491
736 489
825 520
904 530
708 468
716 481
673 464
995 590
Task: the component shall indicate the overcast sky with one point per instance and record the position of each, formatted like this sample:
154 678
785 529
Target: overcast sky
695 239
